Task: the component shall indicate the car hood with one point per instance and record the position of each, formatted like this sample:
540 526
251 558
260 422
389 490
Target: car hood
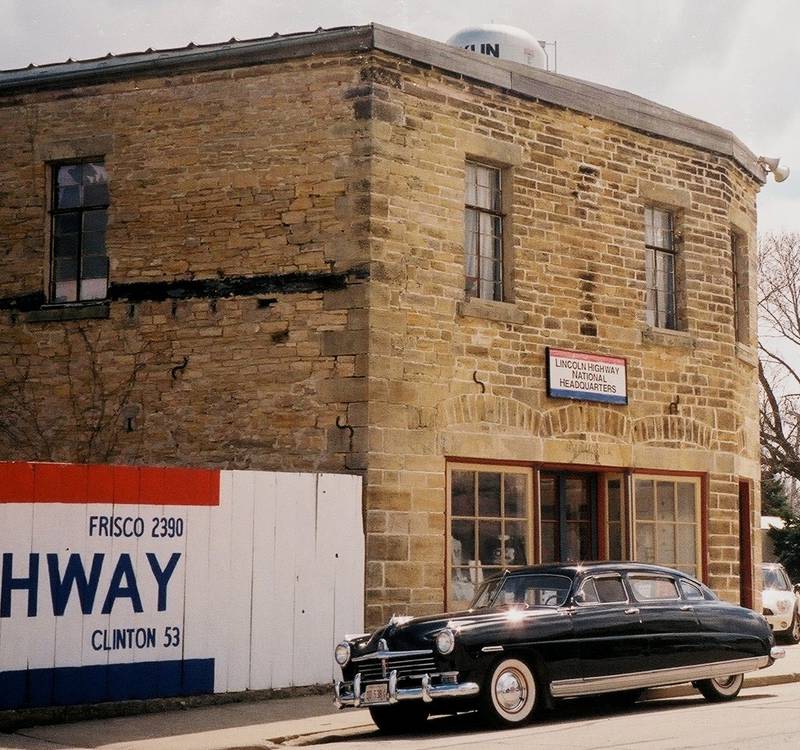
402 633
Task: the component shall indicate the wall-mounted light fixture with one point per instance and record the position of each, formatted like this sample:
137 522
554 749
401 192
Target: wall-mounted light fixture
770 164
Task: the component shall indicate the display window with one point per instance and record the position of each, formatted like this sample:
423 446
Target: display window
490 525
667 521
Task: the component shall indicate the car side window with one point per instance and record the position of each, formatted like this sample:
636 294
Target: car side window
603 590
691 591
611 590
588 592
658 588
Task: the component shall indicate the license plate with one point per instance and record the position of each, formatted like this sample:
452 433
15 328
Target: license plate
376 693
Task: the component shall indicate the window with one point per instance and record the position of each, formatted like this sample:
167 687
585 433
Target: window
603 590
660 257
615 525
691 590
568 523
739 289
489 526
483 232
79 264
646 587
667 522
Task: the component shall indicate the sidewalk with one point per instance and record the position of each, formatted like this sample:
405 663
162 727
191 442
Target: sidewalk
264 724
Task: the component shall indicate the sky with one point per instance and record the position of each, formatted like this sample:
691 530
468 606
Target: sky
735 63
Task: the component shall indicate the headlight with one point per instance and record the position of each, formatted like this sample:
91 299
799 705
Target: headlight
445 641
342 653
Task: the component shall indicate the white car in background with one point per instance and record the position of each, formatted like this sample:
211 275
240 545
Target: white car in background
780 602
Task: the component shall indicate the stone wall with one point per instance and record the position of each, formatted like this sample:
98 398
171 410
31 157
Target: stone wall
328 190
248 174
467 380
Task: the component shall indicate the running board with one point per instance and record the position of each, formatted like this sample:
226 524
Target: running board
655 677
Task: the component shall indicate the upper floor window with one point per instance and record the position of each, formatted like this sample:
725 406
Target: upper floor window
79 263
662 302
483 231
739 291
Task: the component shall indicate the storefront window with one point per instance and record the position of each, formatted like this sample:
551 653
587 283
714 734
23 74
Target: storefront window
489 526
568 517
616 519
667 522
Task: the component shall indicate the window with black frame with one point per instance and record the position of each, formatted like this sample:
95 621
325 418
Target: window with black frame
79 214
660 268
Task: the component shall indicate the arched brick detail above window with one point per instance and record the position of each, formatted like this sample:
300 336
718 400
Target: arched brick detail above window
574 420
674 431
485 408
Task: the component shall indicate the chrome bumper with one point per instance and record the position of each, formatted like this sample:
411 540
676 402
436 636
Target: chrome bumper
350 694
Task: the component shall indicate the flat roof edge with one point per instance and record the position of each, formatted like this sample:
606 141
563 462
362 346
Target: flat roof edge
571 93
185 60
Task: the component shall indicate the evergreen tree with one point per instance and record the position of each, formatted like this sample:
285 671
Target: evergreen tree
774 500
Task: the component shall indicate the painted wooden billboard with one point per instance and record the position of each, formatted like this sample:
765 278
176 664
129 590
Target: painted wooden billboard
121 582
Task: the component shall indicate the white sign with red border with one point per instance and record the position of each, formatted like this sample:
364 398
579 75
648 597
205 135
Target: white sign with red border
586 377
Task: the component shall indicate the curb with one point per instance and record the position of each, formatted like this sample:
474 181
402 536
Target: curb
13 719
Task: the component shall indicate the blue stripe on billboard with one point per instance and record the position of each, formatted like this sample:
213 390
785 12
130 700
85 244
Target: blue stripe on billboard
586 396
64 686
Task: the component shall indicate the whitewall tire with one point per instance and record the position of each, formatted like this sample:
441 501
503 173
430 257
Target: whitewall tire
721 688
510 694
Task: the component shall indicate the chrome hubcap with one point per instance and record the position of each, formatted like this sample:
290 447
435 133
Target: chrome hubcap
726 682
510 690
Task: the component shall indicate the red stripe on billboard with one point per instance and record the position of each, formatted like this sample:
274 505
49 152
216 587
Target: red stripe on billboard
30 482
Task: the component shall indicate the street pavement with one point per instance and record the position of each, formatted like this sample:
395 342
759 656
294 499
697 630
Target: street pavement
312 720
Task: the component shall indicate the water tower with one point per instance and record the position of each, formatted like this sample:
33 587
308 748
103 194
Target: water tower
503 43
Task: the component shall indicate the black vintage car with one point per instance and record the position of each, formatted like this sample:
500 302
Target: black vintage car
554 631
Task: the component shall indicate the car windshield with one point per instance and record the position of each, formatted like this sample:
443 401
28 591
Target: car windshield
533 590
774 578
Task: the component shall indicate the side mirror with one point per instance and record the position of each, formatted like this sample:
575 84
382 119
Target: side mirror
580 597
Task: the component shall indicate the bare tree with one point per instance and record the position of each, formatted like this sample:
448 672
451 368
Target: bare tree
71 406
779 351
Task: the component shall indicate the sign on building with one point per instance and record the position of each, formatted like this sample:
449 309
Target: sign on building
586 377
122 582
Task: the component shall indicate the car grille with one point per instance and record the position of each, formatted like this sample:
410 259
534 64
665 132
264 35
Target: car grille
406 666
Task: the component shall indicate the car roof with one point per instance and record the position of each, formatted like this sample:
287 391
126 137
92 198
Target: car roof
580 568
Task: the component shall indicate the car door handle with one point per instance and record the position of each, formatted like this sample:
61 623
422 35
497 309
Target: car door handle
686 607
632 611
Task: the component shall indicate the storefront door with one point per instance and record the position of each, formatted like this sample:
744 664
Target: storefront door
568 516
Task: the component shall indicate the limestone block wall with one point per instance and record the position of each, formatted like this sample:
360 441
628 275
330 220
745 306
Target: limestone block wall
235 335
450 379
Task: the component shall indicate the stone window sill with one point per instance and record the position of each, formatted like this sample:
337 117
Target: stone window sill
668 337
746 354
502 312
88 311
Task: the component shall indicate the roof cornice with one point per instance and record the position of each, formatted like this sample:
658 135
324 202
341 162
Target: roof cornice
571 93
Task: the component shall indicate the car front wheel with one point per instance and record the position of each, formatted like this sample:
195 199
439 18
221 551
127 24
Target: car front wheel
403 719
510 694
721 688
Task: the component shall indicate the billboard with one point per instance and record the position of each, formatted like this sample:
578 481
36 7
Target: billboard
120 582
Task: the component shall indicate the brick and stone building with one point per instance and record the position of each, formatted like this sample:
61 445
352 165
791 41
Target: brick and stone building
358 250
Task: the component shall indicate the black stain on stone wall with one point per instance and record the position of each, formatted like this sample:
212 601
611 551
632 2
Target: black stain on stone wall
216 288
